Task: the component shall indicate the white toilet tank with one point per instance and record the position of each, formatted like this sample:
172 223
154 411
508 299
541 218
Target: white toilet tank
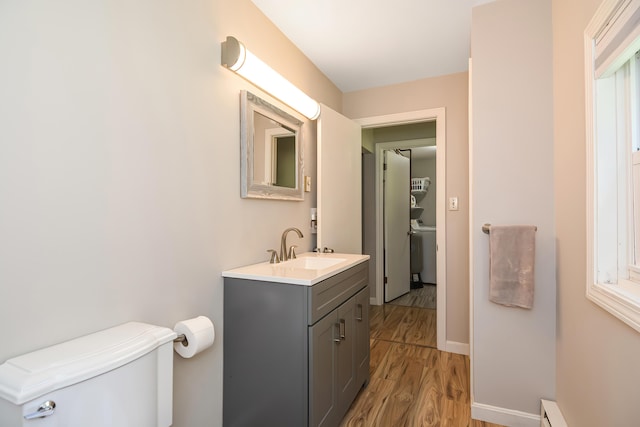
119 377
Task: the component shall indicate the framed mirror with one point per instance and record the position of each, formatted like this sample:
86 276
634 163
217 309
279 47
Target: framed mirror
271 151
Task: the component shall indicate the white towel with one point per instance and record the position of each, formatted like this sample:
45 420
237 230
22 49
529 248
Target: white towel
512 257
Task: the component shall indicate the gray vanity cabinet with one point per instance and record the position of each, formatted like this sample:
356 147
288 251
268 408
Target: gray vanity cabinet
346 356
362 337
337 354
295 355
323 408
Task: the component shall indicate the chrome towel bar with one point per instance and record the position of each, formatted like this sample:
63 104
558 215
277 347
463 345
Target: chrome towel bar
487 228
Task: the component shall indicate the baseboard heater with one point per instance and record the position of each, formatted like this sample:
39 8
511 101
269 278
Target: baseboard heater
550 415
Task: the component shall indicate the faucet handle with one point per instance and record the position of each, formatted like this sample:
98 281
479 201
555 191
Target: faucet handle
292 251
274 257
327 250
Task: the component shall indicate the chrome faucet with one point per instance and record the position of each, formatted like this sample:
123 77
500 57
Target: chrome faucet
283 244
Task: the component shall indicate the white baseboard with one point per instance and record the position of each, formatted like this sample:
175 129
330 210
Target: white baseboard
506 417
457 347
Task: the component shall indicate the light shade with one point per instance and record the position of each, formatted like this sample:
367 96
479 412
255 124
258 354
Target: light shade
237 58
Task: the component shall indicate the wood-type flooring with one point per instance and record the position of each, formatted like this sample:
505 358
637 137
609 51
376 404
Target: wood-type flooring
424 297
412 383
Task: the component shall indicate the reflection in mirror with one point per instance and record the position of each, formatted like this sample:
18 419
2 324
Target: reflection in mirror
278 148
271 151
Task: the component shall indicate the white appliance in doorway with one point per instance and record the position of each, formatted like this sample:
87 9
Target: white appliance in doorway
429 264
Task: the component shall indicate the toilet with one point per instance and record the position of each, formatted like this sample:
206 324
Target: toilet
122 376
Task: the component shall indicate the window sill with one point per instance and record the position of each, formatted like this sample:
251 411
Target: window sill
621 300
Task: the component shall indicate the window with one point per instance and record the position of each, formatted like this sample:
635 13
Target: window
612 45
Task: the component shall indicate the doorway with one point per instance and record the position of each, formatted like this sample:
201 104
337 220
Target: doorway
436 115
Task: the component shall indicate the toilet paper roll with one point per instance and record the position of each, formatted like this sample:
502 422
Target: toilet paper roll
199 333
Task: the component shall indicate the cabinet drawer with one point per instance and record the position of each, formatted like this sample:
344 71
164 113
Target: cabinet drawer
329 294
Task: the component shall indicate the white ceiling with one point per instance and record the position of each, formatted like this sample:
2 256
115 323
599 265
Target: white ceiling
360 44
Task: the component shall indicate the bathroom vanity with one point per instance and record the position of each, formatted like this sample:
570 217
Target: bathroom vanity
296 340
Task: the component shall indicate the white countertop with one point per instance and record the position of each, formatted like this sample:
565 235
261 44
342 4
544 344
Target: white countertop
308 269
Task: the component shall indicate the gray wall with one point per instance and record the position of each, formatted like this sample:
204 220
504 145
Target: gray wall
120 172
404 132
513 349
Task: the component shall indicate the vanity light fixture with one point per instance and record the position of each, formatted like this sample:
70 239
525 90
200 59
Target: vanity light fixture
237 58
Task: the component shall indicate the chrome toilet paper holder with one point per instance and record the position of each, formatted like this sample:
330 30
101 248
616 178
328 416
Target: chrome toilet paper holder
183 339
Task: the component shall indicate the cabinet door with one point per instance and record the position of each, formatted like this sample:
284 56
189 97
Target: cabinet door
347 386
323 340
362 336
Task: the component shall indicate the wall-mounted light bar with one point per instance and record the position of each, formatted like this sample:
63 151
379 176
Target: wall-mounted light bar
237 58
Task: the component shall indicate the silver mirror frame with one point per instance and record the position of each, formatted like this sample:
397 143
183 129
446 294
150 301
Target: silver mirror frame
251 104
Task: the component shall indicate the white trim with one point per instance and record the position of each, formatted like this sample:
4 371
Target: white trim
457 347
437 114
616 299
616 39
503 416
470 243
399 118
621 301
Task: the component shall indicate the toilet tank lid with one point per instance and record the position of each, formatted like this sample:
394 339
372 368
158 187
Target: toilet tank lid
32 375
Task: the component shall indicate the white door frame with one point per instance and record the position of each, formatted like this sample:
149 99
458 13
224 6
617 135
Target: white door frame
437 115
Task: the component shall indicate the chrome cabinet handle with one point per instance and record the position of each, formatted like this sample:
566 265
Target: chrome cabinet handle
337 340
342 329
46 409
359 318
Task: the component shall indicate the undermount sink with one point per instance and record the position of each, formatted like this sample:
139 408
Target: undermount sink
312 263
308 269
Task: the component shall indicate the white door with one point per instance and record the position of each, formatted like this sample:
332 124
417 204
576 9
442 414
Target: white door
339 183
397 226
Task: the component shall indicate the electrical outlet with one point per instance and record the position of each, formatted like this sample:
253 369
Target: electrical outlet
307 184
453 203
